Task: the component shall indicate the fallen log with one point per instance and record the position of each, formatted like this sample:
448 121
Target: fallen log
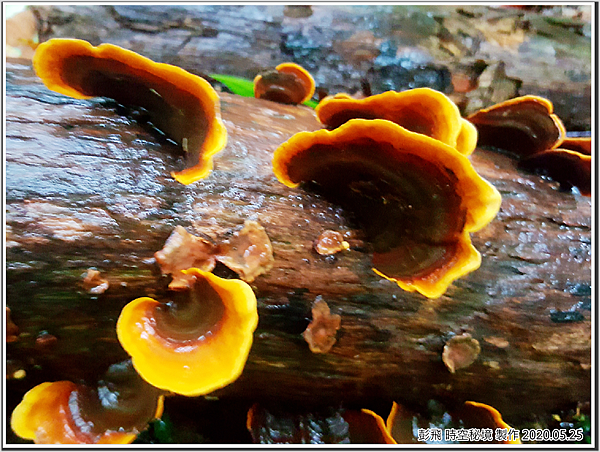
87 187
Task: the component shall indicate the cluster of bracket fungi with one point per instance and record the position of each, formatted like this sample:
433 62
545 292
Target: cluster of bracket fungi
396 161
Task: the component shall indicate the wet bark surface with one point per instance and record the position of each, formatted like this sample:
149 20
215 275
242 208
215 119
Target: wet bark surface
479 55
88 186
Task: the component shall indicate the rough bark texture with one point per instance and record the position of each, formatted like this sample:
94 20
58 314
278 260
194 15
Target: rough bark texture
88 187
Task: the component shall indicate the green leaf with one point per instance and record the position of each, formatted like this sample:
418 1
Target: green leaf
245 87
237 85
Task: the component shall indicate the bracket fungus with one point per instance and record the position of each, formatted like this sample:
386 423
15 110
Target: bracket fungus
196 343
181 105
471 415
523 126
279 426
480 416
568 168
583 145
12 330
420 110
289 83
367 427
114 412
416 198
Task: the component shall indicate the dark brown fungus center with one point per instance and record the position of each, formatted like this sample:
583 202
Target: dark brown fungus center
410 119
569 168
522 126
170 109
192 315
282 87
343 116
408 207
122 401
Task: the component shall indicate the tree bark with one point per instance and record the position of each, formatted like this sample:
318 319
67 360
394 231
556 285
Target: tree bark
88 187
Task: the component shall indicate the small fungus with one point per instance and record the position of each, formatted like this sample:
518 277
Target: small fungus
479 415
330 242
93 283
472 415
523 126
114 412
320 333
287 84
499 342
197 342
12 330
399 424
181 105
568 168
367 427
583 145
420 110
45 339
416 198
248 252
460 352
183 250
279 426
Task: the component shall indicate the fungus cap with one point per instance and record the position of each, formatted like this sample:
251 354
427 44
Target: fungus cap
523 126
289 84
485 417
569 168
416 197
54 413
367 427
183 106
583 145
195 347
421 110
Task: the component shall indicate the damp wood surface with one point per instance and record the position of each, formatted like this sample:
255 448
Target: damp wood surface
478 54
87 187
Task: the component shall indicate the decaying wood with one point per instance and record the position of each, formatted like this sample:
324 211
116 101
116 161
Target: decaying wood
478 54
89 188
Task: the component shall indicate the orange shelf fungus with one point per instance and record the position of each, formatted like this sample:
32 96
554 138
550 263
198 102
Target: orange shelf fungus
568 168
287 84
181 105
416 198
195 344
367 427
523 126
400 425
12 330
114 412
420 110
325 427
480 416
583 145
